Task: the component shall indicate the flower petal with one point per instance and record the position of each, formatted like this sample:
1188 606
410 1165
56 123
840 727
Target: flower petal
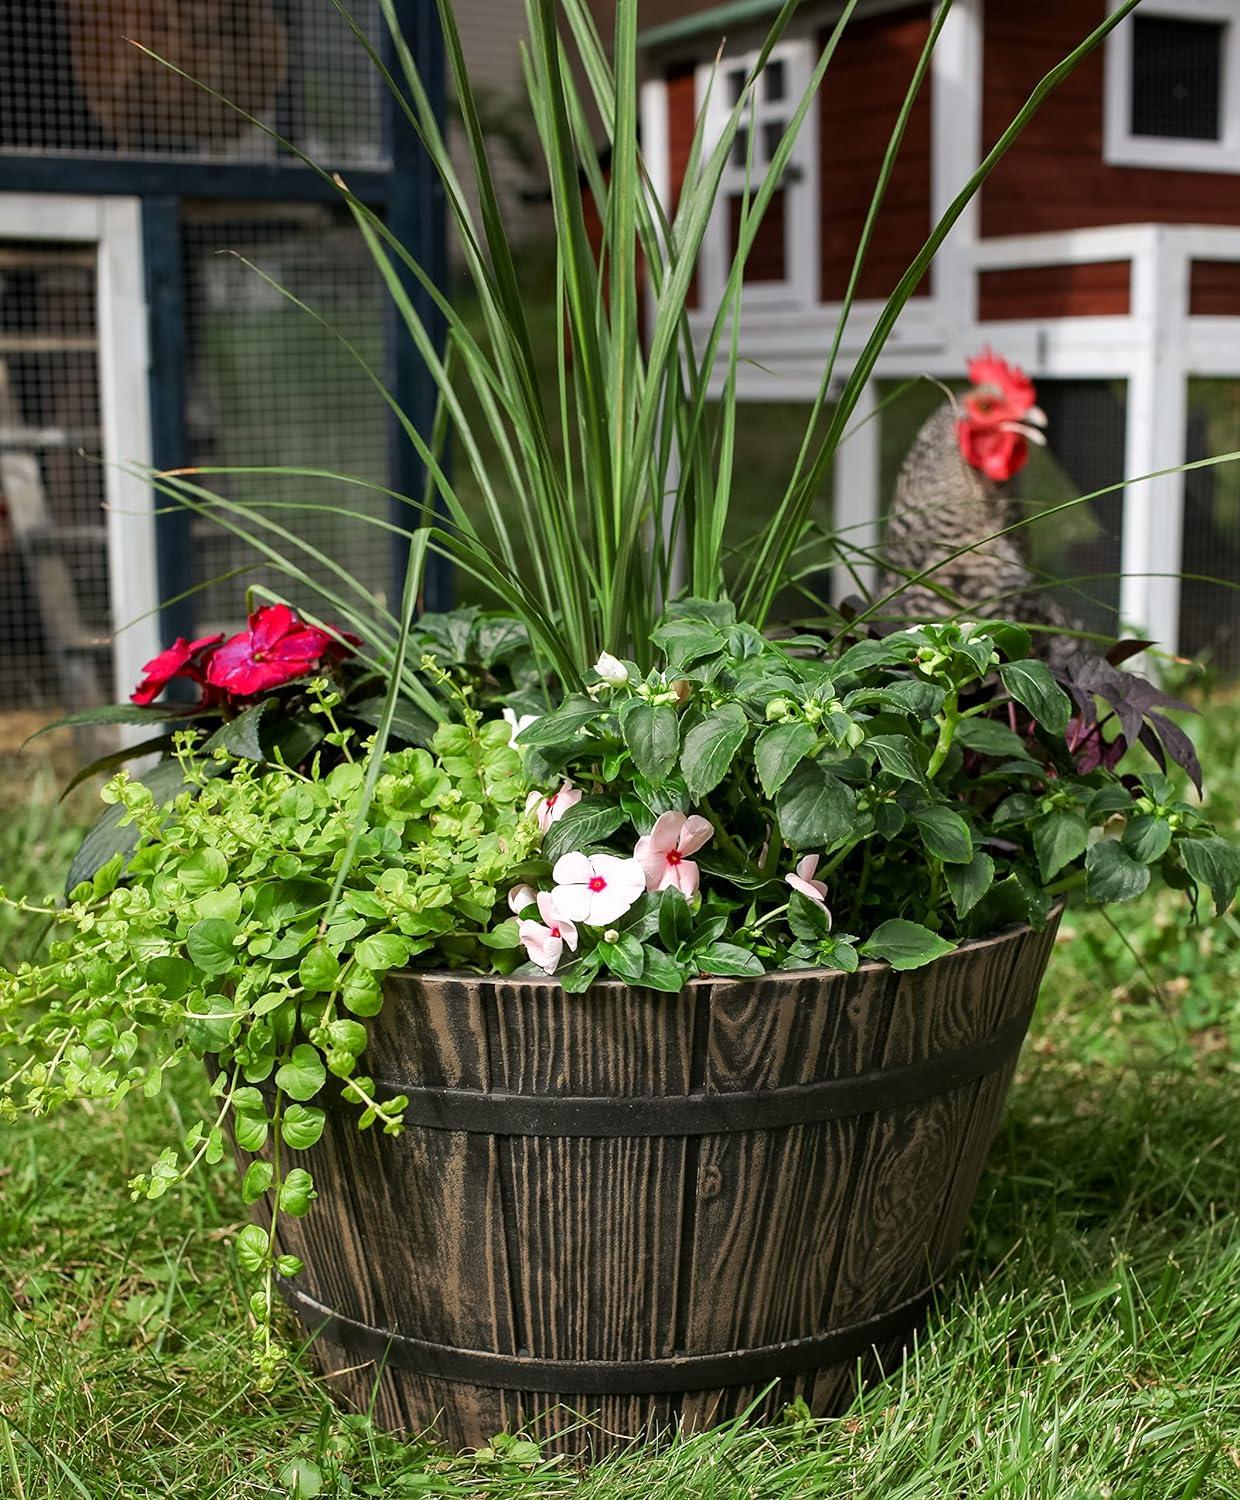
665 834
520 897
696 832
572 869
572 902
270 624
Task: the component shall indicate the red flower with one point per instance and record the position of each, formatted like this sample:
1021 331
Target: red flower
277 647
181 659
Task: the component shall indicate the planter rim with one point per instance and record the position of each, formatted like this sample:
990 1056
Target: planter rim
871 966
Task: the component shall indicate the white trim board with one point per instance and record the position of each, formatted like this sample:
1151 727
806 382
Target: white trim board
114 227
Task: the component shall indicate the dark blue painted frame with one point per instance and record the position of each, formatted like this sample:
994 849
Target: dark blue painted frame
407 191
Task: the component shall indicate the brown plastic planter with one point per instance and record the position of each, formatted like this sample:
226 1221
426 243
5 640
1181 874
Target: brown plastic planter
648 1207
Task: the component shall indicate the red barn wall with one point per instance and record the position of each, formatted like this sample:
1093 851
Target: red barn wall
1054 177
1097 289
857 106
681 117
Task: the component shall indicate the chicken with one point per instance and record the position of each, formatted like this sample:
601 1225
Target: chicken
952 492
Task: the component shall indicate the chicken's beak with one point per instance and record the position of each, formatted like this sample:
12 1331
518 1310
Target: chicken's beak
1030 427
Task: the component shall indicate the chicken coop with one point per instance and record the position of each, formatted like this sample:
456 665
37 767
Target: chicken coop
133 333
1102 255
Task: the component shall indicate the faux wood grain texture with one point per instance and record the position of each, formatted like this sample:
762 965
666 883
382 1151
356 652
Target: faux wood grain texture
637 1248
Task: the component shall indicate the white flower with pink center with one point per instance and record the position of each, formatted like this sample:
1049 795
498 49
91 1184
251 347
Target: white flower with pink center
551 807
596 889
664 852
545 941
803 880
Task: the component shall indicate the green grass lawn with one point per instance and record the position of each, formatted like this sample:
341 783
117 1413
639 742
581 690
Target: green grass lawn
1087 1346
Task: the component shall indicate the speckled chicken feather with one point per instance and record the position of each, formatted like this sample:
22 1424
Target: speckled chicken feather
942 503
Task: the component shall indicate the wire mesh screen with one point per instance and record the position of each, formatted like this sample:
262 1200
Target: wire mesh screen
70 81
1177 75
54 611
269 385
1209 599
1086 429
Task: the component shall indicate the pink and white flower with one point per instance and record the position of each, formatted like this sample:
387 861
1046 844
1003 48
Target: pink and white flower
598 888
551 808
804 881
663 852
545 941
520 897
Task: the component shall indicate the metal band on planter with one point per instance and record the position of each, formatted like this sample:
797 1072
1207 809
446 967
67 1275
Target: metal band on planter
507 1114
591 1377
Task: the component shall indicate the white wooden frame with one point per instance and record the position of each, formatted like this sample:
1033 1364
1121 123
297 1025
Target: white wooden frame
114 227
799 289
1121 147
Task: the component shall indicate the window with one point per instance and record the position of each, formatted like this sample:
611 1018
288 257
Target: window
780 264
1171 87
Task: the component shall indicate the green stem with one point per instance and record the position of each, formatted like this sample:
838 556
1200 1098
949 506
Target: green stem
947 720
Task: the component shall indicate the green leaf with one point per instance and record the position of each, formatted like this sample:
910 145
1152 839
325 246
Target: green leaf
652 733
250 1130
204 871
213 1025
729 960
239 736
969 883
257 1180
1031 684
906 945
302 1126
297 1193
945 834
711 747
410 724
901 756
808 919
563 727
211 945
989 738
584 825
125 713
1215 863
778 752
686 641
303 1075
625 957
1059 837
108 838
361 992
1112 874
1147 838
252 1249
661 973
319 969
815 808
380 952
675 920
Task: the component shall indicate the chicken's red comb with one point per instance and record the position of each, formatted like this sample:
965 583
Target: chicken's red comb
987 368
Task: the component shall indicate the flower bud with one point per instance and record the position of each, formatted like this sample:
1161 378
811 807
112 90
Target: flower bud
611 669
855 736
777 709
612 935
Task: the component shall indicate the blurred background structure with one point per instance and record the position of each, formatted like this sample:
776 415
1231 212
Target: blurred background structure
1103 255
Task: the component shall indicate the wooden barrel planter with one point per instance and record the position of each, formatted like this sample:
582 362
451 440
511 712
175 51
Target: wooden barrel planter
646 1208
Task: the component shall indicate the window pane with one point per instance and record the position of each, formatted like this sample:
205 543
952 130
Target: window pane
736 85
1176 78
772 134
740 149
774 79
